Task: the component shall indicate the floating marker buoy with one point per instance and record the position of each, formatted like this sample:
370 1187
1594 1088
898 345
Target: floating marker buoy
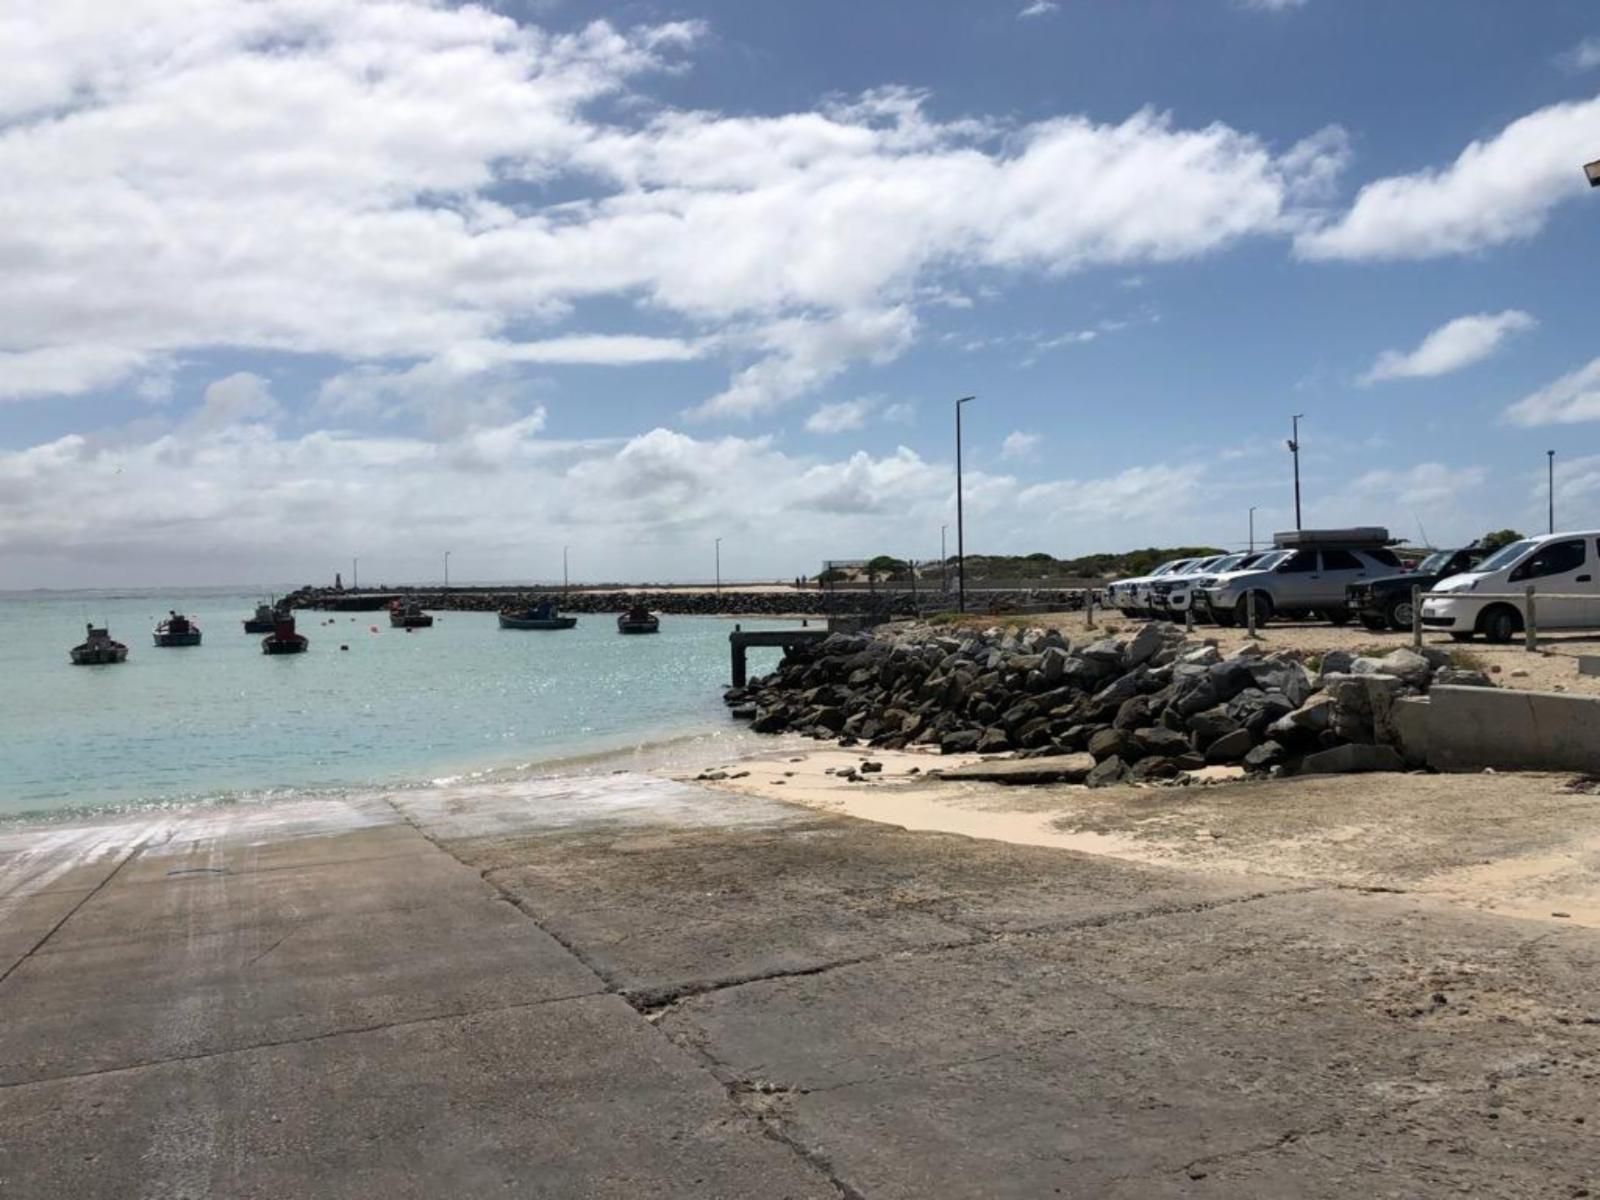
344 647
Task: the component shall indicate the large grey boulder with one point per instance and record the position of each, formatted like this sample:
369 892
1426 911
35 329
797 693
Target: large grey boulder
1107 772
1312 718
964 741
1267 754
1151 641
1200 656
1283 675
1230 747
1111 743
1159 741
1255 709
1407 666
1409 723
1107 651
1455 677
1210 724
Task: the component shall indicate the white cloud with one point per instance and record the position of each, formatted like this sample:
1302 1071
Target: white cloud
839 417
377 195
1569 400
1271 5
1452 346
1020 445
239 399
1498 190
1039 8
1585 56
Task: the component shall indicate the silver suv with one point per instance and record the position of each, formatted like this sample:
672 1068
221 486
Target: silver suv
1305 577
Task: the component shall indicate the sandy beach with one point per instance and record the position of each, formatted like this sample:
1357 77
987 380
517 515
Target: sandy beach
1522 845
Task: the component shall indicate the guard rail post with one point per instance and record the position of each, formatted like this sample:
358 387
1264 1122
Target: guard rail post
1250 613
1188 618
1416 617
1088 611
1531 639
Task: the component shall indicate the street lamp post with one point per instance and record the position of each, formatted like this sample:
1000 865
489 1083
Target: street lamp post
1294 449
355 564
1550 457
447 570
961 529
1253 508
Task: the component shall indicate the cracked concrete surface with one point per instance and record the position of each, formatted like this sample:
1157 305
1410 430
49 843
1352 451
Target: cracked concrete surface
678 1000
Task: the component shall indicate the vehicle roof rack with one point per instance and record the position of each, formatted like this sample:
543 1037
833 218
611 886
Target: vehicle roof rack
1359 537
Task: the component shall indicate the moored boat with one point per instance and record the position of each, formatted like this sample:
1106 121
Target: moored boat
543 615
283 639
97 648
264 621
177 630
408 614
638 619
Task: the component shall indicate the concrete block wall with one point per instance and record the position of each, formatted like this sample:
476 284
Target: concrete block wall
1471 728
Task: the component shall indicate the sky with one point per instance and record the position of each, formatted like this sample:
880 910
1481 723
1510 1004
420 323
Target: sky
284 283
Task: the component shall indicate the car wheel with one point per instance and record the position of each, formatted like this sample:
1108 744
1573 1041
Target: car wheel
1398 613
1499 624
1337 616
1374 623
1241 610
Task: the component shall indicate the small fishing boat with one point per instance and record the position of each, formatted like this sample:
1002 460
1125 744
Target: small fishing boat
408 614
97 648
265 620
638 619
177 630
543 615
283 639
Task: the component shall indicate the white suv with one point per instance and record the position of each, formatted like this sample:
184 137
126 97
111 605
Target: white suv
1489 598
1132 596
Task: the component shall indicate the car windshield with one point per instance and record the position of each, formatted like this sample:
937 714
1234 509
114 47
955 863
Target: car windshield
1268 561
1176 564
1228 563
1435 562
1506 555
1202 564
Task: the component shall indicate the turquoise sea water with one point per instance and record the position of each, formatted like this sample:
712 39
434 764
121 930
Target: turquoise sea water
224 720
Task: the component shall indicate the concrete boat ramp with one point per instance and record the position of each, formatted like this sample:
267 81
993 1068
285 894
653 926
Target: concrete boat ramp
625 987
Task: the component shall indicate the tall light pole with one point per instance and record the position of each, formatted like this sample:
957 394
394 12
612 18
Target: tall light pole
961 530
719 572
1550 456
1294 449
1253 508
355 564
447 569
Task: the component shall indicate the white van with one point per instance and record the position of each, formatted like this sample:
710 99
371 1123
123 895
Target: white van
1567 565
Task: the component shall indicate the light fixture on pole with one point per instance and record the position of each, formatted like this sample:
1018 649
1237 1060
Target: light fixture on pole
961 530
1294 449
447 569
1592 170
1253 508
1550 456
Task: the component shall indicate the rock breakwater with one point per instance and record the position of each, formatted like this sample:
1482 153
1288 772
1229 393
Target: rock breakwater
1152 707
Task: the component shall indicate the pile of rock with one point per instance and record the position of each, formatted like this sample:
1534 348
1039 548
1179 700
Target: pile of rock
1150 708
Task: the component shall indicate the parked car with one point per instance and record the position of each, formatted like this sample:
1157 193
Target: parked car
1487 599
1307 576
1386 603
1132 595
1173 595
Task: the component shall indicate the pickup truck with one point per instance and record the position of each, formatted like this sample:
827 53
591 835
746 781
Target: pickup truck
1385 602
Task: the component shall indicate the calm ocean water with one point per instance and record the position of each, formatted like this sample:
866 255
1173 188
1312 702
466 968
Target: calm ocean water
223 720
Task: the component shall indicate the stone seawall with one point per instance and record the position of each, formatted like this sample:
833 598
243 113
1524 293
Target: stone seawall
698 603
1154 707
